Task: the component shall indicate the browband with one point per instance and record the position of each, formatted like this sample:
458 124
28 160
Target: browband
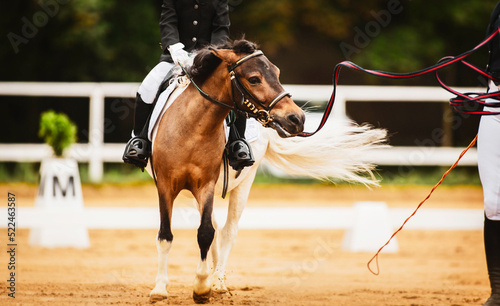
244 59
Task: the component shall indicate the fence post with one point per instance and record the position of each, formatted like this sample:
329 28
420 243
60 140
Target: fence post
96 134
339 108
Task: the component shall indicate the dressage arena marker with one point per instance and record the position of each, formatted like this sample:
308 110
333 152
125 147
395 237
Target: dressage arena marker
377 271
370 227
59 195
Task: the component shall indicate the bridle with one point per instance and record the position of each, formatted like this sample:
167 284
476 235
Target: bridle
245 106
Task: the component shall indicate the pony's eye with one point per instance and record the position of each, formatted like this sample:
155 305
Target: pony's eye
254 80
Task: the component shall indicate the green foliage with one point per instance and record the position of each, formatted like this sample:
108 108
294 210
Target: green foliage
19 172
111 40
80 40
124 173
117 173
423 33
57 131
415 35
428 175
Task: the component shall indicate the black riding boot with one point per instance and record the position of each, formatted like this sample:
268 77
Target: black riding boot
492 249
138 149
239 152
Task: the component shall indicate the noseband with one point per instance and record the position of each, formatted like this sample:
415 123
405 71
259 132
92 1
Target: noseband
245 106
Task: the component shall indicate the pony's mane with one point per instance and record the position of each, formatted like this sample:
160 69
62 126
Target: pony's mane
205 62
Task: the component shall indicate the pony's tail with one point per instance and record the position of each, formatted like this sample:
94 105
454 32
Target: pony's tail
330 154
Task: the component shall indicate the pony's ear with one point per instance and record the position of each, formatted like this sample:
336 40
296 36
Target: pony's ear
226 55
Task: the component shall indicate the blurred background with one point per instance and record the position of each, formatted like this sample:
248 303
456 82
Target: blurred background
118 41
93 41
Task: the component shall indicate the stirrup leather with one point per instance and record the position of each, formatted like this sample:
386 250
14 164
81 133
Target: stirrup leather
240 154
137 152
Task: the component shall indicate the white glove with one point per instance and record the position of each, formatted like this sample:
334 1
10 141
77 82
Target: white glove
179 55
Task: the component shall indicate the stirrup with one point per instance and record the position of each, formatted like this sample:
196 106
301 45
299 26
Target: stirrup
240 154
137 152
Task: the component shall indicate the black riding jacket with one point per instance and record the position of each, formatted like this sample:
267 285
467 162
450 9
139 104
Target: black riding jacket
194 23
494 44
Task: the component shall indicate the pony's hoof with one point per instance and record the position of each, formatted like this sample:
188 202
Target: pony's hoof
153 298
220 288
219 285
201 298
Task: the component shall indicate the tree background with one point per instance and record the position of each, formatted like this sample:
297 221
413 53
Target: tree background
118 41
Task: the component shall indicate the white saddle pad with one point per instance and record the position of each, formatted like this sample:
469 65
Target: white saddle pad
164 101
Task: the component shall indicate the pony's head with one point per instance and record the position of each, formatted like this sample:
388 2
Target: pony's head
254 78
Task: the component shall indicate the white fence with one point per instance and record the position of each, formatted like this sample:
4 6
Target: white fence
300 217
96 152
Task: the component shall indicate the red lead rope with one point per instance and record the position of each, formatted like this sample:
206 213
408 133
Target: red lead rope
376 272
460 103
463 102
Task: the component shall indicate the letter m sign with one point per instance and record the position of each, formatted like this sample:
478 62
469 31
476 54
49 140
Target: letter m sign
63 189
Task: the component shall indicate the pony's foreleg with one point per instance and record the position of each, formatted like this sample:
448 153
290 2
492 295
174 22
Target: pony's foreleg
203 281
163 245
228 234
214 248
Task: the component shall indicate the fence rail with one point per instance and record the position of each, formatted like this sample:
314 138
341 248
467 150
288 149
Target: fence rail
96 152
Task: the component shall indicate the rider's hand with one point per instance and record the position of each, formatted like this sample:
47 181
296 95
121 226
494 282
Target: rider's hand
179 55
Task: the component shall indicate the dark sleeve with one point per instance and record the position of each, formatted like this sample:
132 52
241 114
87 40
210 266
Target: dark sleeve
168 24
221 23
493 18
494 44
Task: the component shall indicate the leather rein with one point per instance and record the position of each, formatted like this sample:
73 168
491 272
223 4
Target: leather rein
244 106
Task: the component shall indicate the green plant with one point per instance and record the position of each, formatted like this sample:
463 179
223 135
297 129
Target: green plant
57 130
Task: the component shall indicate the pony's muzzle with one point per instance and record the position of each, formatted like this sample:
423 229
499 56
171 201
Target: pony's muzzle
289 125
297 120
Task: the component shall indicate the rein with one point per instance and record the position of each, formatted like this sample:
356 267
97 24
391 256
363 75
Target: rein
463 102
261 115
250 110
